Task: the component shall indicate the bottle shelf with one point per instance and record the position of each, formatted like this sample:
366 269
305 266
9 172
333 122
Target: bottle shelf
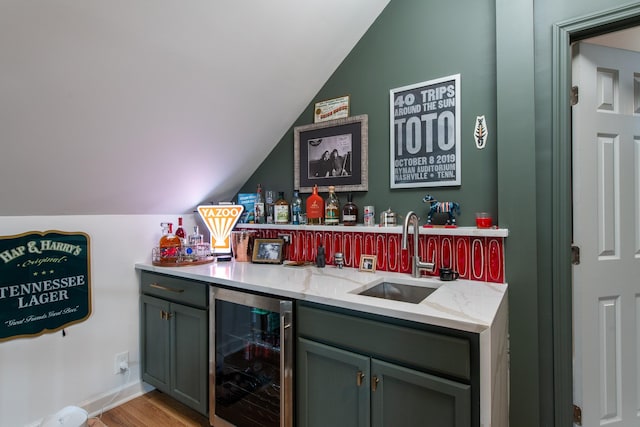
396 229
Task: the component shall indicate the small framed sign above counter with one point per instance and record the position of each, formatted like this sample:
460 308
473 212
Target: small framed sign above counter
425 134
331 109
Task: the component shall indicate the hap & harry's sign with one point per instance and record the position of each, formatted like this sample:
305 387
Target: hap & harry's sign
45 282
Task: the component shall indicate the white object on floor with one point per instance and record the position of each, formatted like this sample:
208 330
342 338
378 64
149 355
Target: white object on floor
70 416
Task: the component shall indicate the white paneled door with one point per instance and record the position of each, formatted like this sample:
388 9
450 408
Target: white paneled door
606 216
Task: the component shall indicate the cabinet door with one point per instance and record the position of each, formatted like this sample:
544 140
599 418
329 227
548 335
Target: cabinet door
408 398
189 356
154 348
333 386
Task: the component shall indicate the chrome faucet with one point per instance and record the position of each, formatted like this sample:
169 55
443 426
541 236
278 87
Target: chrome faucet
416 264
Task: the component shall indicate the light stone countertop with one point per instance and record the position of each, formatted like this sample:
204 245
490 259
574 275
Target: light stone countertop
461 304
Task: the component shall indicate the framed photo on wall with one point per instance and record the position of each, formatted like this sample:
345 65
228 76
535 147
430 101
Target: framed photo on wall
332 153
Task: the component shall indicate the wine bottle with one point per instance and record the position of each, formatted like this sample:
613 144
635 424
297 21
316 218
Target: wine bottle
180 232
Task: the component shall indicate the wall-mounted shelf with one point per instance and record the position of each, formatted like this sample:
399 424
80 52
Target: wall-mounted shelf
439 231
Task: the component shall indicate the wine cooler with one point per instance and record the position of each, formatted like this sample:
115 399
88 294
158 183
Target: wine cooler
251 360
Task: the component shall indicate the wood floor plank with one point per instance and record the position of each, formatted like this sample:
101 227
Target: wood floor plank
151 409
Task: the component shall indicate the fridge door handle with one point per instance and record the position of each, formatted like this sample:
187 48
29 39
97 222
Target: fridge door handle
286 364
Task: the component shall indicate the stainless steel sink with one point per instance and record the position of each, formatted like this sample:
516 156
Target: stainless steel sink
398 292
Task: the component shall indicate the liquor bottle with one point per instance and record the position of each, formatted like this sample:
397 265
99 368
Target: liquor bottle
332 208
196 242
180 232
269 200
169 244
315 207
281 209
296 208
196 238
258 209
350 211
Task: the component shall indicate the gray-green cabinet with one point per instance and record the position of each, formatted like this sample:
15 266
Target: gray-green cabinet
174 338
365 371
332 386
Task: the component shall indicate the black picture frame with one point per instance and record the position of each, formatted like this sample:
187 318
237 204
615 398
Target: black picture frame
435 156
346 142
267 251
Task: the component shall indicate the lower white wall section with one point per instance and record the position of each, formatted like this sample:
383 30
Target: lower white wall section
42 375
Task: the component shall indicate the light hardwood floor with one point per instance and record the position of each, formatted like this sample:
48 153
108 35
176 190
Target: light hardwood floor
153 409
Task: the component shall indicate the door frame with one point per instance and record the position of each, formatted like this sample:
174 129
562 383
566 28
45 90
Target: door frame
565 33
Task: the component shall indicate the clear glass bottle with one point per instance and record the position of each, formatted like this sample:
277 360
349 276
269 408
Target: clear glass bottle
169 244
196 242
332 208
315 207
281 209
180 232
258 207
269 199
296 208
350 211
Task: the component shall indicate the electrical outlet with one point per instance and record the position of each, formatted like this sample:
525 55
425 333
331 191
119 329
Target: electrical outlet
285 237
121 363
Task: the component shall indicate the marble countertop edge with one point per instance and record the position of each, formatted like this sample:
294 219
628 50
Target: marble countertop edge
461 304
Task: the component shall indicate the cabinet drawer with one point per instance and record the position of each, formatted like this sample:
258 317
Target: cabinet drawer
421 349
171 288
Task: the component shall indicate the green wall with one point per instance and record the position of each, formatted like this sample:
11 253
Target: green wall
412 42
503 50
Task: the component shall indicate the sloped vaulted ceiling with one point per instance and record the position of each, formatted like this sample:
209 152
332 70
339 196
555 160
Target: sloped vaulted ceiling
151 106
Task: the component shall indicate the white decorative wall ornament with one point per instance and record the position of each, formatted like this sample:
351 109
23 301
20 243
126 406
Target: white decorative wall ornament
480 132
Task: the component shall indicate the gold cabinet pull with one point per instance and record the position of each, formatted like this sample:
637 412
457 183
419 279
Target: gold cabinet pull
359 378
374 383
165 288
165 315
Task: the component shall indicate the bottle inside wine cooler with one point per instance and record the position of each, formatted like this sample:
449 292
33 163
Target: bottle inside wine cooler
249 358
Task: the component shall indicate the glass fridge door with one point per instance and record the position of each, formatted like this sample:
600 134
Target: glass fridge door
251 380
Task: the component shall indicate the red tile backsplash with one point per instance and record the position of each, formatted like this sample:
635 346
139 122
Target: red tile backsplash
475 258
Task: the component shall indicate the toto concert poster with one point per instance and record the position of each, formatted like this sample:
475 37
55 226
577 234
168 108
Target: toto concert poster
45 282
425 134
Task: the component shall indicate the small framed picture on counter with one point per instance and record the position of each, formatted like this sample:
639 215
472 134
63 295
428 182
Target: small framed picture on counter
368 263
267 251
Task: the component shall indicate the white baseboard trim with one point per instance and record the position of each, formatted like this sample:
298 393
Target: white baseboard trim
102 403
